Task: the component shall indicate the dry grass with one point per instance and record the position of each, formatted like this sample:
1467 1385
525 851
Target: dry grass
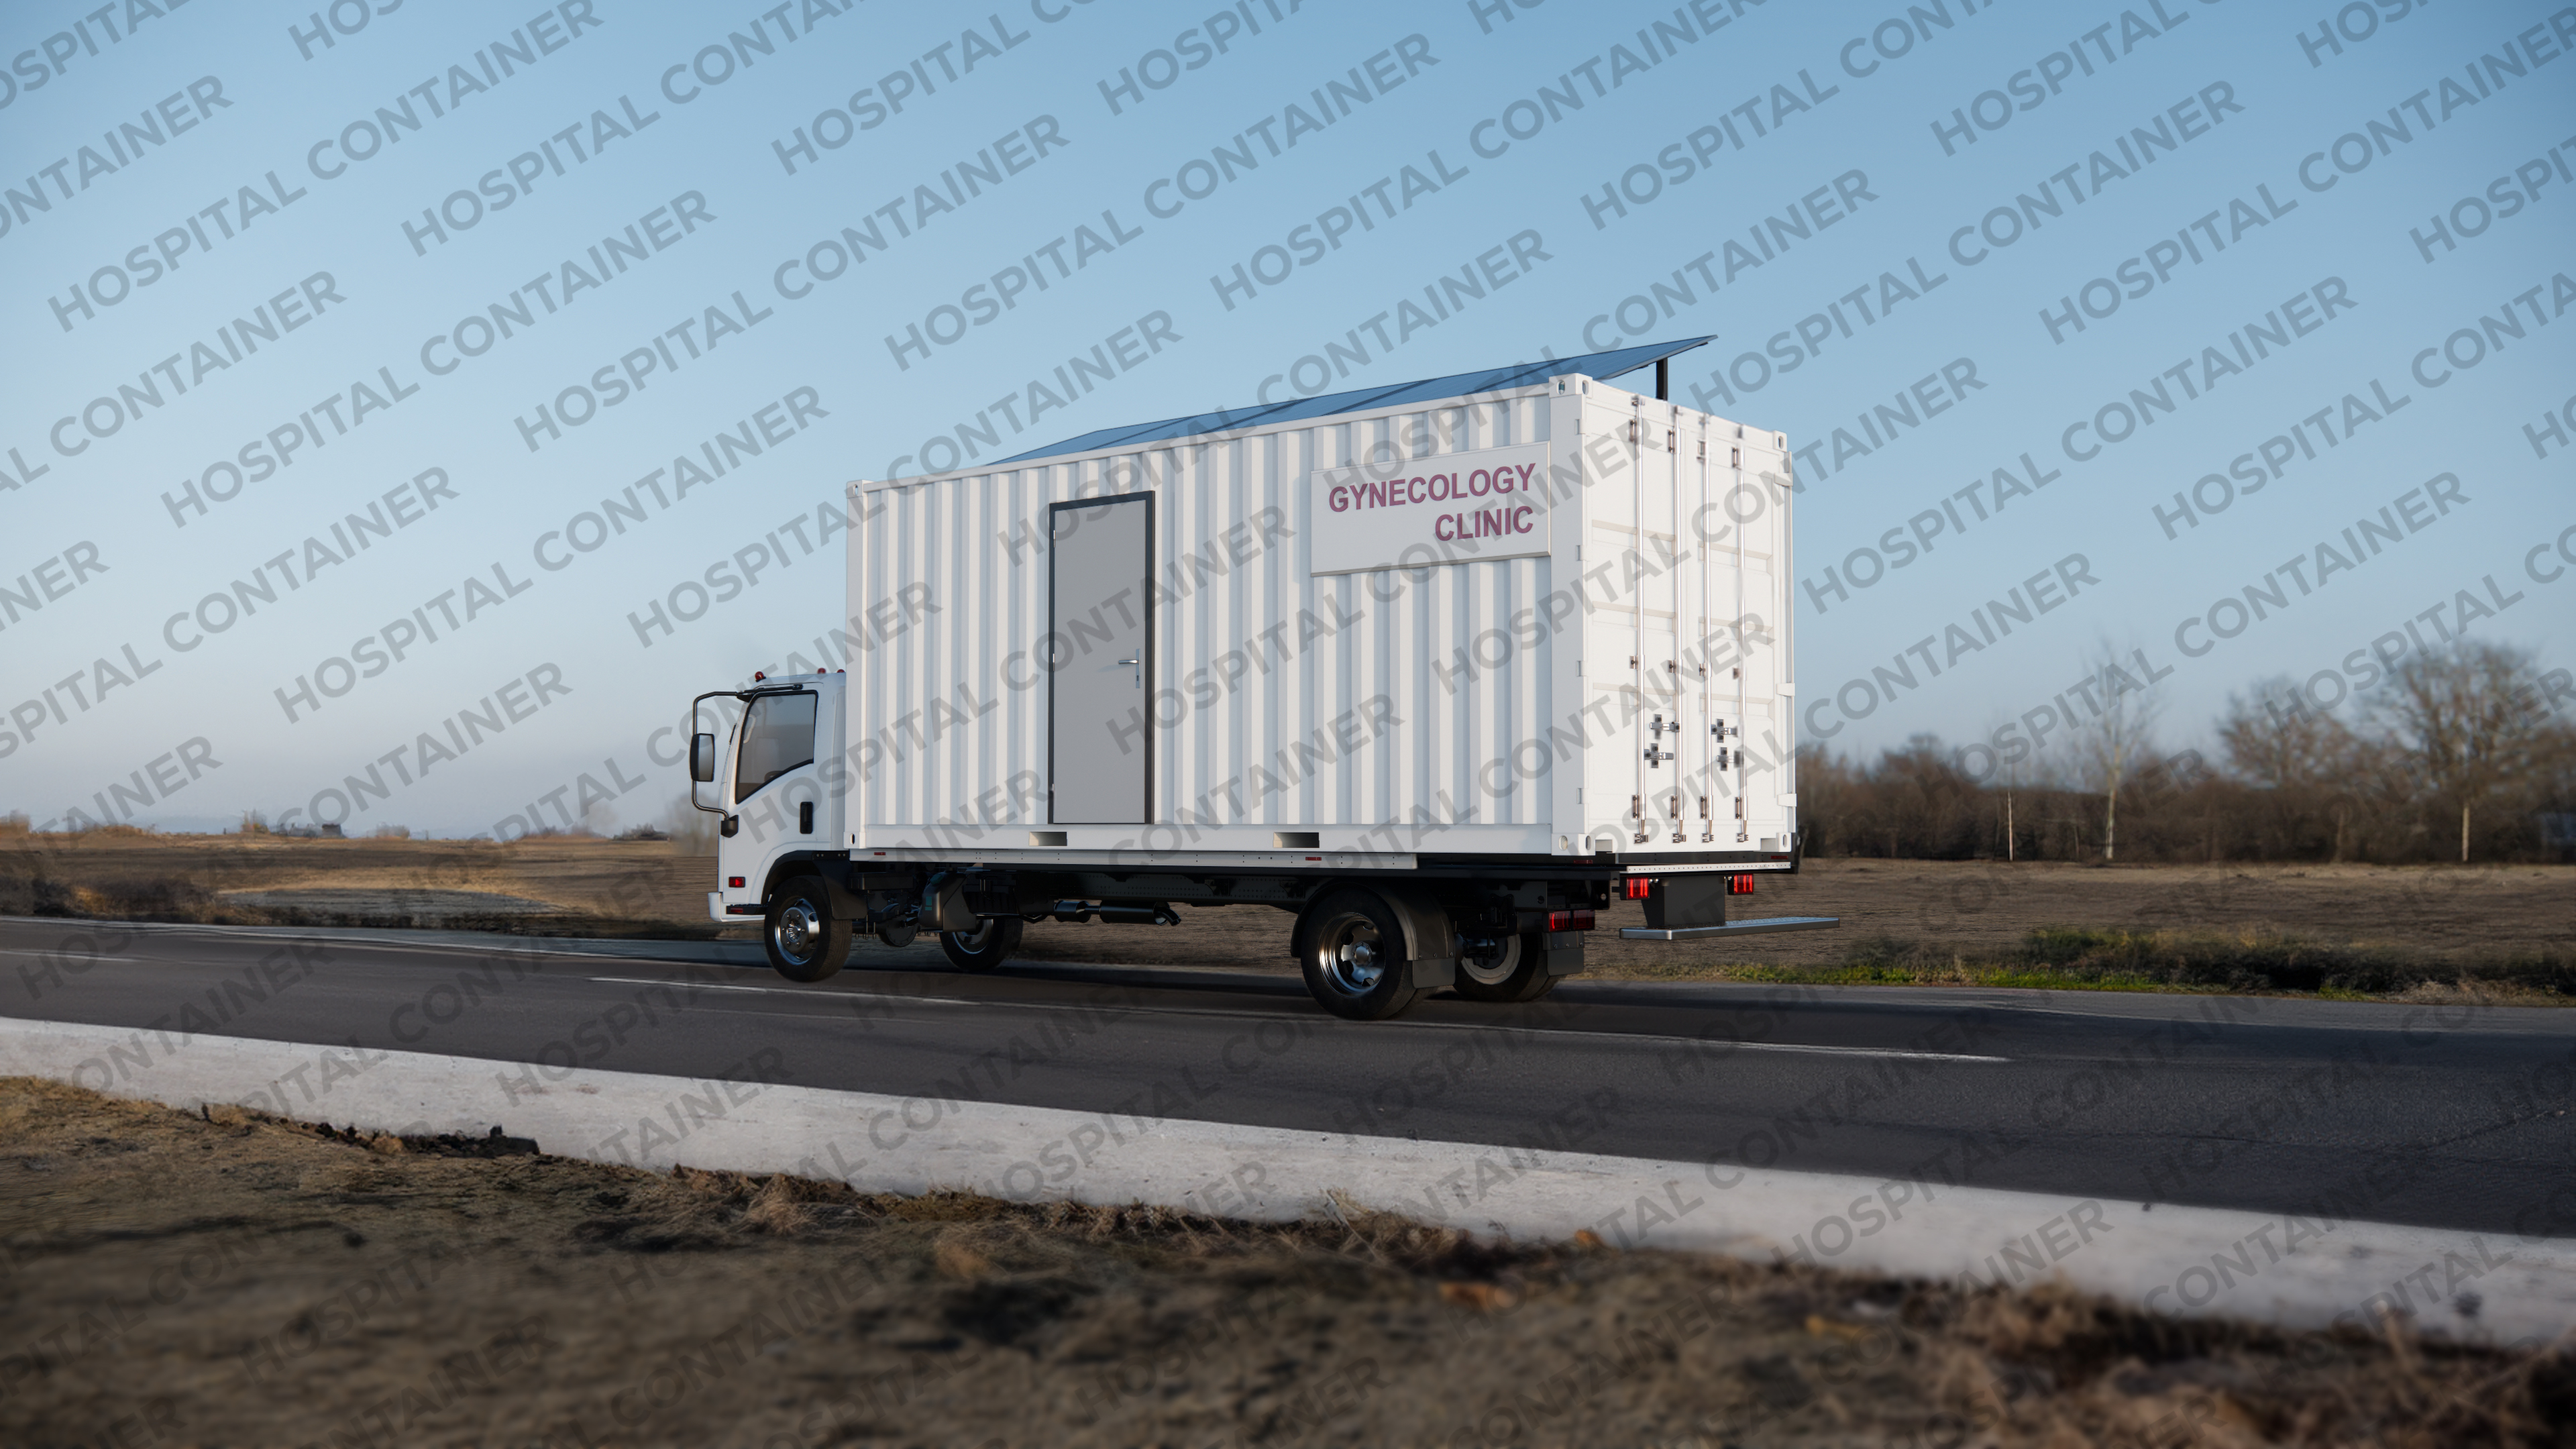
558 886
2065 958
518 1298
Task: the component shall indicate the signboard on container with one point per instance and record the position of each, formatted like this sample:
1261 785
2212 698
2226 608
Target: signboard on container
1453 508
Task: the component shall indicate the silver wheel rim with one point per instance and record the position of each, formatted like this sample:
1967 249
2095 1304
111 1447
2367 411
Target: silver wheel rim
798 928
1351 955
1496 971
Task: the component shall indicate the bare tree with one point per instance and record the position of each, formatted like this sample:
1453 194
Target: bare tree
2110 743
2303 759
2468 715
2280 740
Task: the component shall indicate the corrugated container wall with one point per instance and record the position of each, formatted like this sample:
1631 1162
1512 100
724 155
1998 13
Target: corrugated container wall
1620 684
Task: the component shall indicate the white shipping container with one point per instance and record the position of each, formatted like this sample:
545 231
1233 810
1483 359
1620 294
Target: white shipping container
1521 614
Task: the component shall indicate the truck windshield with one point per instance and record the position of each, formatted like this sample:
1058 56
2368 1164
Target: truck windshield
777 736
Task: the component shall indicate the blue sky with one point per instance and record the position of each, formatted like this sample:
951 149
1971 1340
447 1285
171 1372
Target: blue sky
2300 189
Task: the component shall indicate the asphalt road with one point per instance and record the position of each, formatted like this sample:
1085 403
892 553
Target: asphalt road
2442 1116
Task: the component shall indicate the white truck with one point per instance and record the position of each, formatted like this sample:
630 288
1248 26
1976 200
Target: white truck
1437 668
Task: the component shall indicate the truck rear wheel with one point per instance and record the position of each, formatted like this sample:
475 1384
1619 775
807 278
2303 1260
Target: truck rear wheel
1355 963
1518 973
993 941
804 940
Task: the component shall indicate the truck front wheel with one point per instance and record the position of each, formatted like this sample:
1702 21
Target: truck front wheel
805 941
994 940
1355 963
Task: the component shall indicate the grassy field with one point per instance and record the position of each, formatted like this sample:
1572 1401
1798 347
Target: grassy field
2331 930
227 1279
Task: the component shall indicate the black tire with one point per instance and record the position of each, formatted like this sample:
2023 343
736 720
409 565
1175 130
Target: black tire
805 941
990 944
1355 963
1520 975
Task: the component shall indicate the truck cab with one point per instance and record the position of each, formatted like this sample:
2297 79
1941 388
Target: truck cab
779 789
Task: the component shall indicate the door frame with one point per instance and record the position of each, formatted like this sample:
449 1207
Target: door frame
1145 601
761 860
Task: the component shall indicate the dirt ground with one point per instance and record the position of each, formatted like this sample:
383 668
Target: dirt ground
1982 909
1970 911
549 884
168 1279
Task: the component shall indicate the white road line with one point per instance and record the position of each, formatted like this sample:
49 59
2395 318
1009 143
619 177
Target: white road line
783 990
1714 1048
354 943
1717 1048
66 956
1722 1048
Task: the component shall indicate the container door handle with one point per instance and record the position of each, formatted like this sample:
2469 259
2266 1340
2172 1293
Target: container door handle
1139 662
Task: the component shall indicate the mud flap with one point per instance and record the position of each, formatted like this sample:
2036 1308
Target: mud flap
1564 952
943 904
847 904
1430 943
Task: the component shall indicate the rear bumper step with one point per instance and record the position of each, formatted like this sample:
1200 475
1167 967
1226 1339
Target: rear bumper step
1732 928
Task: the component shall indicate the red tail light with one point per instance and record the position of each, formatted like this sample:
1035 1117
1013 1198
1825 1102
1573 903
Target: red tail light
1739 885
733 882
1635 887
1569 920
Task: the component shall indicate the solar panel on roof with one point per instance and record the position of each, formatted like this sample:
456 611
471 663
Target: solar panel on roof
1602 365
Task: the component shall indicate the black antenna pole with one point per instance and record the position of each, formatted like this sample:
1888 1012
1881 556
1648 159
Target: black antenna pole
1663 379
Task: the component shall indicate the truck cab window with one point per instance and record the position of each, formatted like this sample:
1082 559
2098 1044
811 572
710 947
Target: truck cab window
777 736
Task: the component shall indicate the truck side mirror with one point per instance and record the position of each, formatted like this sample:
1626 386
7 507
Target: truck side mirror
702 758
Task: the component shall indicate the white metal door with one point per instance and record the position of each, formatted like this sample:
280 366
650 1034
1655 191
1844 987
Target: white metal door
773 790
1656 813
1100 744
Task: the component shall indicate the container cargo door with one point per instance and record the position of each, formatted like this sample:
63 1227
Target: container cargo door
1661 731
1100 744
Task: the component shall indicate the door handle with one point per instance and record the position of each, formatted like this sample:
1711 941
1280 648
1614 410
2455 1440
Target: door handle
1139 662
